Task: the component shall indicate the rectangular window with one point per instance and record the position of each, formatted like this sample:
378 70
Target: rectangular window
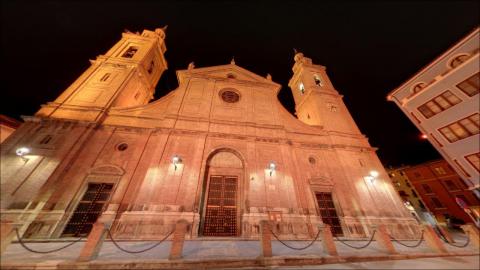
362 163
471 85
438 104
474 159
436 202
426 111
461 129
105 77
440 170
427 188
463 198
46 139
451 185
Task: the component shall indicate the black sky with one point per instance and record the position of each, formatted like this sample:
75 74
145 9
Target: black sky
369 48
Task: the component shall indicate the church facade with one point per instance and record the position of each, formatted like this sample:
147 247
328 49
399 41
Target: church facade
220 152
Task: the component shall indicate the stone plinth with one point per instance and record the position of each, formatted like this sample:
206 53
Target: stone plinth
94 243
433 240
266 239
472 232
446 234
383 239
178 239
7 233
327 240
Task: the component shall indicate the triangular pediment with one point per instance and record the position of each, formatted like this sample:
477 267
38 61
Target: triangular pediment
230 71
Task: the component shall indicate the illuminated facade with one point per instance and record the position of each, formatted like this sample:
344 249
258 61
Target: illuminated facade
220 151
442 100
7 126
439 186
412 201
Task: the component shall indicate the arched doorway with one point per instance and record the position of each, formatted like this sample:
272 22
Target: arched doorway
221 195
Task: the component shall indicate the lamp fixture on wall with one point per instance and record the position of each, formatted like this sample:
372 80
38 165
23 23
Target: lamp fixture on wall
372 177
176 160
22 151
271 167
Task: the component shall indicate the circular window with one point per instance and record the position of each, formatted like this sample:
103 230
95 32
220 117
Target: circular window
122 147
231 76
229 96
312 160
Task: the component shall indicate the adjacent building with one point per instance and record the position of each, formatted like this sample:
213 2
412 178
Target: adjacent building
220 152
412 201
442 100
7 126
439 185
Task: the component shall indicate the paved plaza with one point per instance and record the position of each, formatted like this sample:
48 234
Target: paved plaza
460 262
249 250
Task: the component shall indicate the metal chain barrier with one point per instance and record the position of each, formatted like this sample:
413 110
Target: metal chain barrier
405 245
295 248
137 251
459 246
20 240
360 247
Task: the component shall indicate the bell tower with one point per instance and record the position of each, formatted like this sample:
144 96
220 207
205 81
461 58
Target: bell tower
317 103
125 76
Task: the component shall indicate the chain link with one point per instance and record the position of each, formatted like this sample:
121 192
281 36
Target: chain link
360 247
458 246
295 248
20 240
405 245
137 251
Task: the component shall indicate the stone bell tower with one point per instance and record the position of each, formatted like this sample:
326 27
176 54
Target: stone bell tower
317 103
125 76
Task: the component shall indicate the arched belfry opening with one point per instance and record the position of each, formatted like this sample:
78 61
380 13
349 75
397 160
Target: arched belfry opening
222 194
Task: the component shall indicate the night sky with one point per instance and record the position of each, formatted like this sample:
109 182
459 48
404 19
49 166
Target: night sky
369 48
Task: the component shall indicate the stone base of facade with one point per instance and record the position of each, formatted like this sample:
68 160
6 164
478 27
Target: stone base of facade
156 224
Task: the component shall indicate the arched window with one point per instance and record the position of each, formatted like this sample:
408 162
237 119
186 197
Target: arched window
231 76
418 87
457 61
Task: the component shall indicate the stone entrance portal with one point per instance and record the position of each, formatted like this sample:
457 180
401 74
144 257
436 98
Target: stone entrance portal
222 193
328 212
